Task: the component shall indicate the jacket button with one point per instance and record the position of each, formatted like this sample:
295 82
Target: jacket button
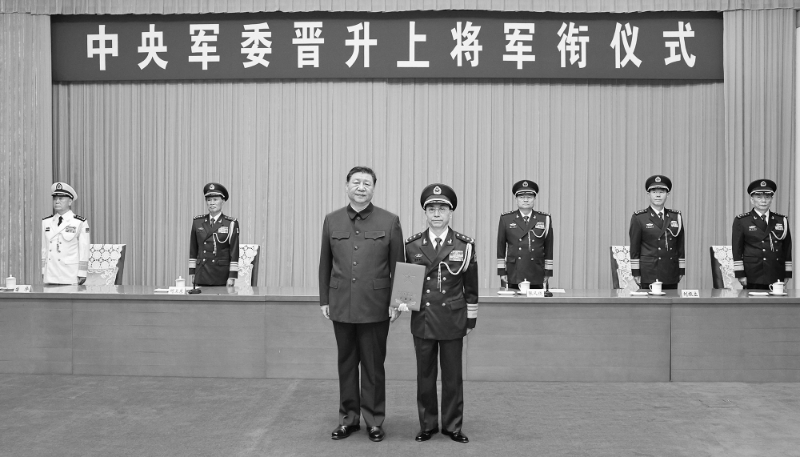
428 291
763 249
357 232
520 258
355 247
354 279
765 258
520 249
659 249
427 304
444 277
520 239
355 263
428 278
444 291
442 304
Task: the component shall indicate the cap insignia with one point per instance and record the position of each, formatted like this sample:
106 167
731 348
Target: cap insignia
59 186
525 184
763 184
658 178
211 187
437 190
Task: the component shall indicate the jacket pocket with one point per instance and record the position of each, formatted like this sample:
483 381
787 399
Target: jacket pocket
382 283
334 284
340 235
511 259
375 234
457 304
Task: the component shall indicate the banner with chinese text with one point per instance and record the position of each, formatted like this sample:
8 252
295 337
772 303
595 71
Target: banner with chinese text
451 44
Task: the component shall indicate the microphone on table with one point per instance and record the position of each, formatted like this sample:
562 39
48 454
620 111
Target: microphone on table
194 289
547 292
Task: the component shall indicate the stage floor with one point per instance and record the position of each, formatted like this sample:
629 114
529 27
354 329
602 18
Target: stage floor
85 416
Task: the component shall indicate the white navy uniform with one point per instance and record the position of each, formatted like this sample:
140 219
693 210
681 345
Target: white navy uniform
65 248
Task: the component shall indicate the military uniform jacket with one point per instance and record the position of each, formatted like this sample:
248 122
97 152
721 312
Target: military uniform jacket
762 251
450 291
658 247
65 249
214 250
525 251
357 261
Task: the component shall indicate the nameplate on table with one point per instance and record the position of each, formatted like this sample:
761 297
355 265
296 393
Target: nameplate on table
690 293
538 293
177 290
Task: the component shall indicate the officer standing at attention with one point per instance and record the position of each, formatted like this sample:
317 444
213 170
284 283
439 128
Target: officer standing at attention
214 242
448 312
657 239
761 240
361 245
525 241
65 240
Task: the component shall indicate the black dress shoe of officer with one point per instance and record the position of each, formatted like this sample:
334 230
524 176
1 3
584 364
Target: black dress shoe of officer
376 434
425 436
343 431
458 437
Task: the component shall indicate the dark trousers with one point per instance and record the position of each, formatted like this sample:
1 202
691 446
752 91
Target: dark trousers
646 285
449 353
365 345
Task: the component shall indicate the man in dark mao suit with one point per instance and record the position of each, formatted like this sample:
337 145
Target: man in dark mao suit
361 244
657 239
761 240
448 311
525 241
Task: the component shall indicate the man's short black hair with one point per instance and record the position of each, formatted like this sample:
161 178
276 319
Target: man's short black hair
360 169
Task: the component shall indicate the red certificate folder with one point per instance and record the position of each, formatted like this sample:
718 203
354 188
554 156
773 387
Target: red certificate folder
407 288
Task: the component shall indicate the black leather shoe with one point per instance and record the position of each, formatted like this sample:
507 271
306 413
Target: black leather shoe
458 437
425 436
376 434
343 431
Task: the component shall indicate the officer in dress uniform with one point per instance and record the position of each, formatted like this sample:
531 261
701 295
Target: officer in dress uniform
214 242
65 240
525 240
448 311
657 239
761 240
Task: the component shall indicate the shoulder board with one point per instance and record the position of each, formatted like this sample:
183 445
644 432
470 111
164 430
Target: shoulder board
743 215
509 212
541 212
464 237
414 237
80 218
672 211
641 211
47 217
230 218
200 216
778 214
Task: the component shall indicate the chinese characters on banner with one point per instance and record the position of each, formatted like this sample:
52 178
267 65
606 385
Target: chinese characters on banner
455 44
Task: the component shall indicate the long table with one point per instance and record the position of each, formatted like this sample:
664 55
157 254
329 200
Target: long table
580 335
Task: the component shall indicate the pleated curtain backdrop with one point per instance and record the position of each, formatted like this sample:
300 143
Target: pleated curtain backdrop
25 142
141 153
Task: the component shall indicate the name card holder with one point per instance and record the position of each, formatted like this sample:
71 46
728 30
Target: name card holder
537 293
177 290
22 288
690 293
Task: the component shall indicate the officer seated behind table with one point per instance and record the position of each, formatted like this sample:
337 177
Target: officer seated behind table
448 311
214 242
65 240
525 241
761 241
657 239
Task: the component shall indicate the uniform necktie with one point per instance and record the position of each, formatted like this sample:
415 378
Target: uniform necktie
60 220
661 216
764 218
438 243
526 218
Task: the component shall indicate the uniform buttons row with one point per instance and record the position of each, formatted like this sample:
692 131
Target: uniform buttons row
429 278
520 258
428 304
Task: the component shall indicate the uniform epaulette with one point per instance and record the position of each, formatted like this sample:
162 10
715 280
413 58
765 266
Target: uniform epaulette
742 215
414 237
80 218
200 216
509 212
464 237
541 212
641 211
778 214
672 210
230 218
